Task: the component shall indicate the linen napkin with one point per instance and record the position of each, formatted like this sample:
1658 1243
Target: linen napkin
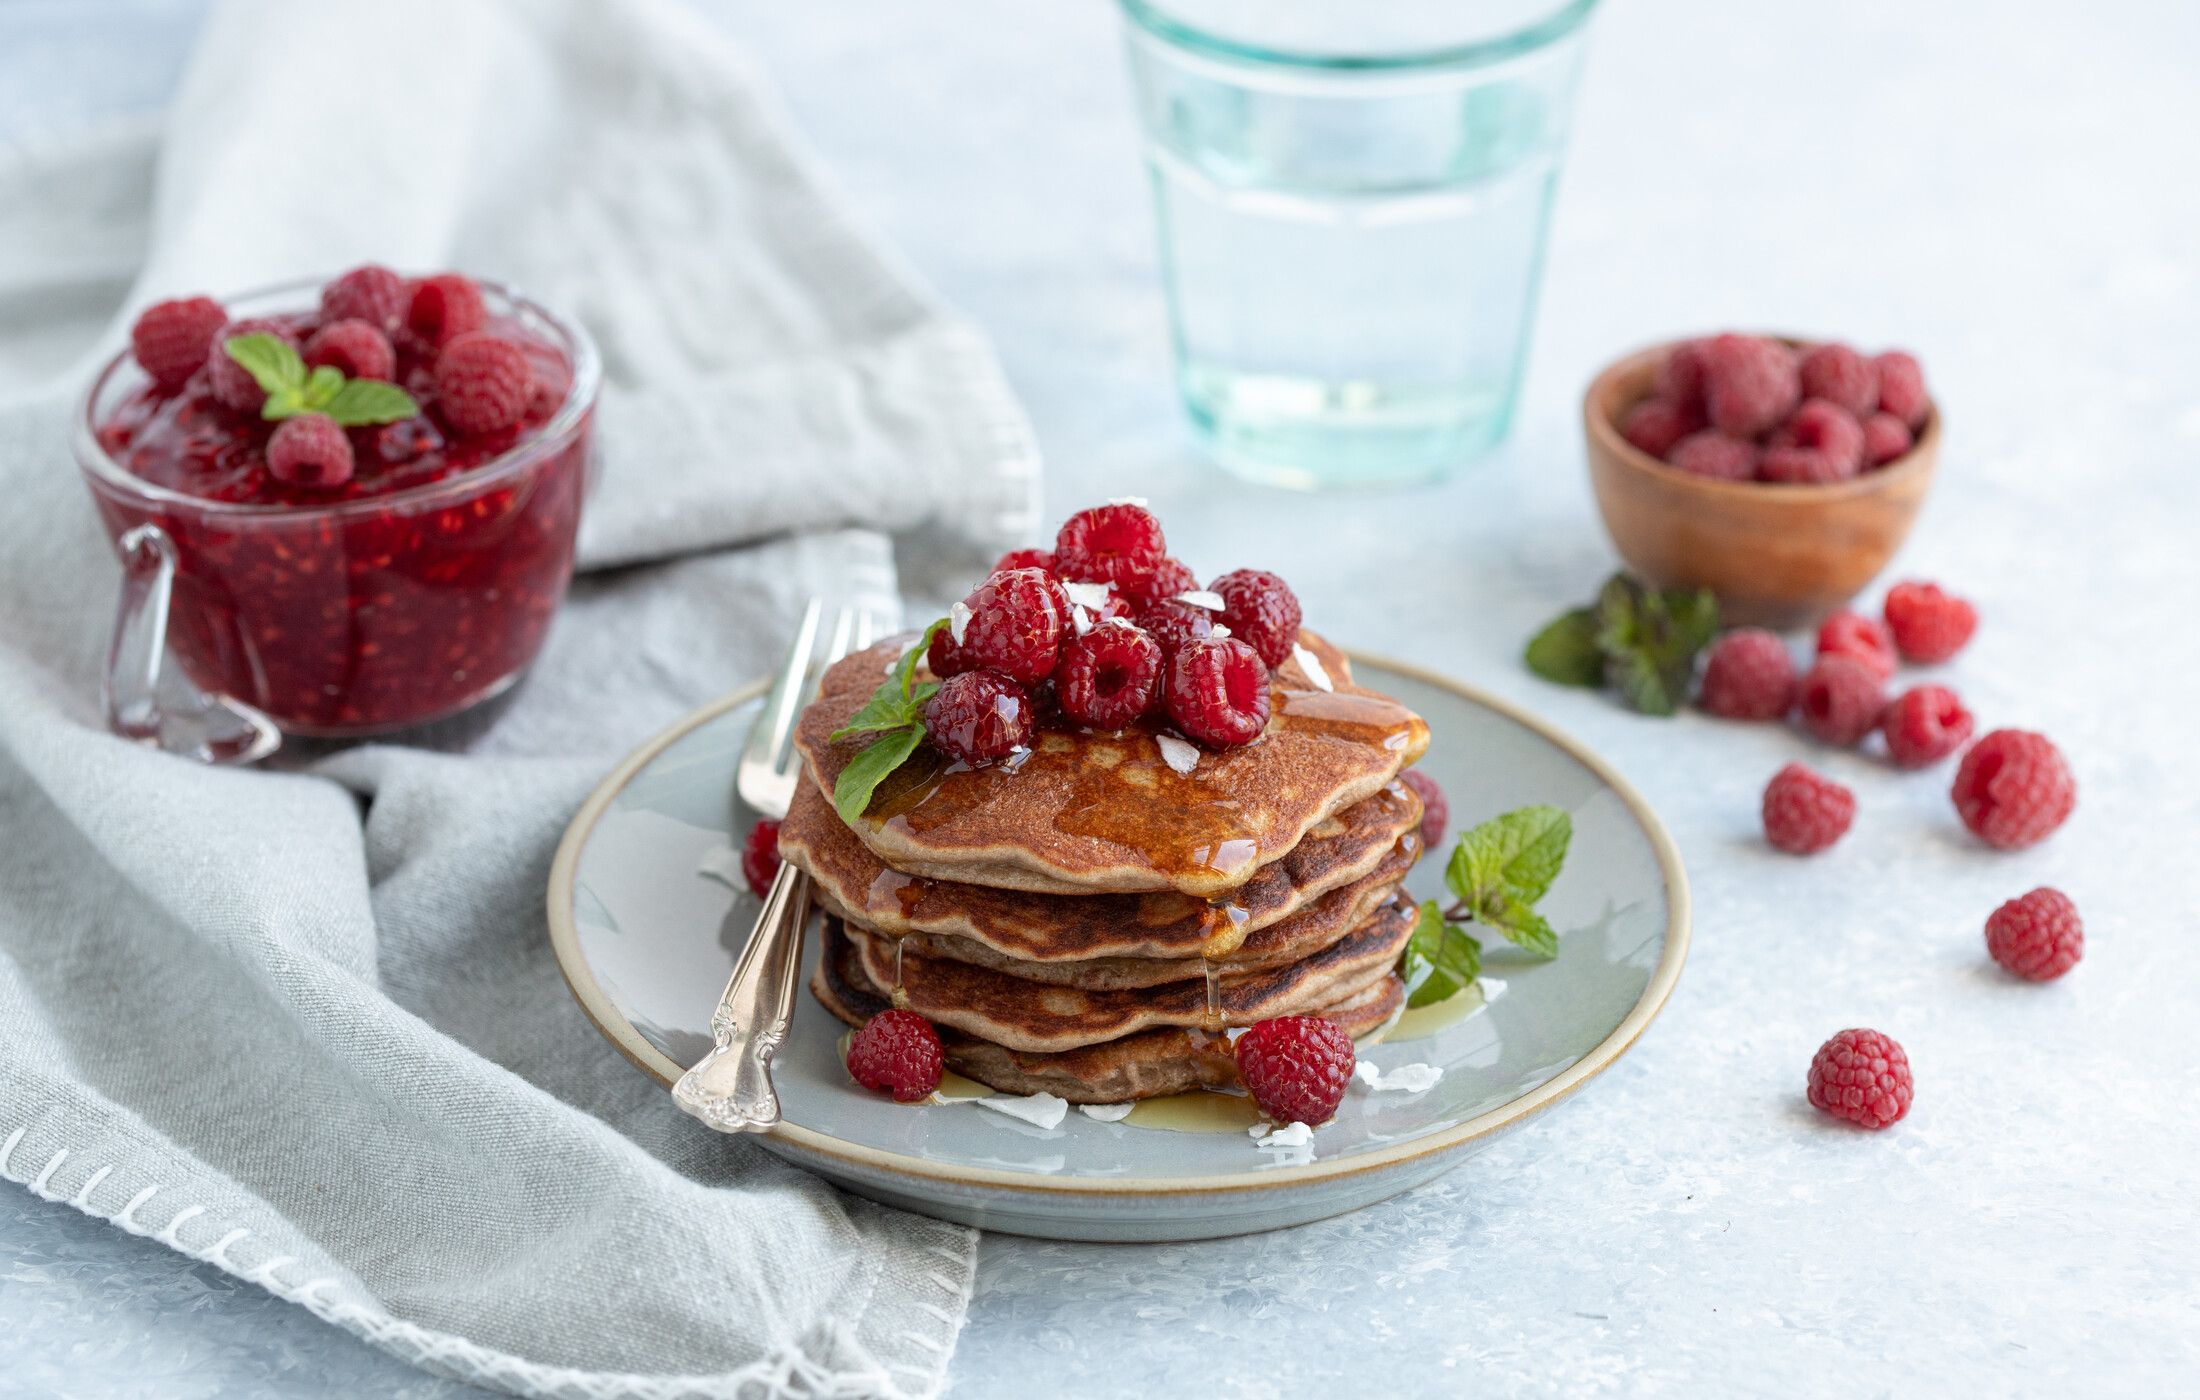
303 1022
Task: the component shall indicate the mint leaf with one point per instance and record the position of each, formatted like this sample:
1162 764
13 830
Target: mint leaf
1502 867
853 788
1640 682
321 386
1566 650
898 700
1651 645
272 361
360 403
905 670
1522 925
1440 960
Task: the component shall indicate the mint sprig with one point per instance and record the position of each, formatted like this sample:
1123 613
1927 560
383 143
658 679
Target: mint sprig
1641 642
1441 959
275 365
895 716
1497 873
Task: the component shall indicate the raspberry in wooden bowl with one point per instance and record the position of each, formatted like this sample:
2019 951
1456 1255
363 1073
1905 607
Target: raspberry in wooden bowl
1777 473
361 497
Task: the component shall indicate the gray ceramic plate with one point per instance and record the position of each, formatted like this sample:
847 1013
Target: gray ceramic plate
636 916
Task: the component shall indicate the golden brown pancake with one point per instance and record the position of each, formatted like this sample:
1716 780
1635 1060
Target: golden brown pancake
1088 813
1143 1065
991 926
1026 1015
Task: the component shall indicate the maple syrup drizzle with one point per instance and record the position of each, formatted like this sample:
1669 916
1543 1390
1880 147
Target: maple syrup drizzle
900 993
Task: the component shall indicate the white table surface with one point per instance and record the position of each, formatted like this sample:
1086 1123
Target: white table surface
2010 190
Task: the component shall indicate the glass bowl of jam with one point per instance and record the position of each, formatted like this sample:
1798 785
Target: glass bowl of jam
420 586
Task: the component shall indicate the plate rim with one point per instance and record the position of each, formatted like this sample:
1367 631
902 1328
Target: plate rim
580 981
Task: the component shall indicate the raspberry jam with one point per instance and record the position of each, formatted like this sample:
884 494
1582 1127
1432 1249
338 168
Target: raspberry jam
420 586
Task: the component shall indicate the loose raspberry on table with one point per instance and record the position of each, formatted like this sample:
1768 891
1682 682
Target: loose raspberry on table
1750 383
1435 809
1018 622
372 294
1296 1067
1026 559
1841 376
980 717
352 348
1847 632
1840 700
1260 610
1804 466
897 1052
760 857
482 384
1166 580
1217 692
1112 544
1862 1076
444 307
1680 377
170 339
1805 813
1924 725
1109 676
1712 453
1749 676
1173 623
1902 388
1829 428
2037 936
2014 788
308 449
1928 623
231 384
1886 438
1654 426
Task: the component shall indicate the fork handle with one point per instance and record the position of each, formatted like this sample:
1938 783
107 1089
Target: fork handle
730 1088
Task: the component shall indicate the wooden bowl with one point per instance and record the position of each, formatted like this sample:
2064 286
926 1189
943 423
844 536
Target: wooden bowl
1776 555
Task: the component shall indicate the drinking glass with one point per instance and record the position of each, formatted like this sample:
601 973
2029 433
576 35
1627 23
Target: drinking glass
1352 201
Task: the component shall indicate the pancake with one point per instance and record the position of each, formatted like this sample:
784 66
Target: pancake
1149 1063
1025 1015
1096 813
991 926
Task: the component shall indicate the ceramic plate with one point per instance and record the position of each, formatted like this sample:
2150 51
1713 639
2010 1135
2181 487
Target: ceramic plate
645 881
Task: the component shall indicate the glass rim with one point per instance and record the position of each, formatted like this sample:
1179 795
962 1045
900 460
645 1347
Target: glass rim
1149 16
555 435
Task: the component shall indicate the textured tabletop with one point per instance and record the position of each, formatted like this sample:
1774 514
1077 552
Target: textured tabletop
2006 189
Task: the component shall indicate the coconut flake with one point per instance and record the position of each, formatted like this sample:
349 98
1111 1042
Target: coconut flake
958 622
1312 665
1039 1110
723 864
1087 595
1107 1112
1289 1135
1218 630
1139 501
1202 598
1405 1079
1178 754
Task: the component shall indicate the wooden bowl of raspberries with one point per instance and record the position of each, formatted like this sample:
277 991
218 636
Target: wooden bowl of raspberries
1781 474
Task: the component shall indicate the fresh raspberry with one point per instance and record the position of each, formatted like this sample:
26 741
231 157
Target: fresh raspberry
979 717
309 450
2014 788
1804 466
897 1052
1260 610
760 857
1435 809
1018 622
1296 1067
1805 813
1924 725
1928 623
945 658
1902 388
1712 453
1166 580
1829 428
1109 676
371 294
1749 383
1749 676
2038 936
1849 633
444 307
1840 700
1217 692
1026 559
171 338
1112 544
1680 377
1173 623
482 384
354 348
1886 438
1840 376
1654 426
231 384
1862 1076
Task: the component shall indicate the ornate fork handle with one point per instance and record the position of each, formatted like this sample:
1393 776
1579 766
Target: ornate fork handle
730 1088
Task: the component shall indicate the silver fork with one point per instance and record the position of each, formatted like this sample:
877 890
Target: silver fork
730 1088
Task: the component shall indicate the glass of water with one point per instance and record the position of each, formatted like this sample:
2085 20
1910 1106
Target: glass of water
1352 200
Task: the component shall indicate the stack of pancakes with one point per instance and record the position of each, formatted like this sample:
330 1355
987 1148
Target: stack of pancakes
1090 921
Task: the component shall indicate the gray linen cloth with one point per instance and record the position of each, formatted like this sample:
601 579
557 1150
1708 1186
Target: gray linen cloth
303 1022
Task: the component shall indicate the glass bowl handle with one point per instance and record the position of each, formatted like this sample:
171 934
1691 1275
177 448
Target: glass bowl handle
155 704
